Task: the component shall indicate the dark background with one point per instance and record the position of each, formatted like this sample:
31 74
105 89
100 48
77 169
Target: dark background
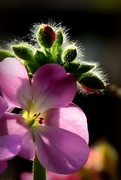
97 26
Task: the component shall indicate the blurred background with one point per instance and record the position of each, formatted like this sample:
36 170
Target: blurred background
96 25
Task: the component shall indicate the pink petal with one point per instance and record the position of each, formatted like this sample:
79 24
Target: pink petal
70 118
3 106
14 124
28 151
3 166
52 87
10 145
60 151
14 82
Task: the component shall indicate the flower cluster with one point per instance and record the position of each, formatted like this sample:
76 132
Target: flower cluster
42 82
51 44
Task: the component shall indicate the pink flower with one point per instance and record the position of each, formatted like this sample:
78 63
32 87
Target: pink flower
53 128
51 176
10 145
54 176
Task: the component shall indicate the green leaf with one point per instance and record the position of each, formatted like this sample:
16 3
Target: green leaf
5 53
24 51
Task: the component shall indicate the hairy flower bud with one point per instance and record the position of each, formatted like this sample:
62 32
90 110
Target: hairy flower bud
91 83
69 54
46 36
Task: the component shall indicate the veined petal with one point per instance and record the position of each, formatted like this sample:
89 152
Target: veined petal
3 166
14 124
70 118
14 82
10 146
60 151
52 87
3 106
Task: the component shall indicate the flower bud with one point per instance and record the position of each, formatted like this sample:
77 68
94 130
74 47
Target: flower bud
69 54
91 83
24 51
46 36
5 53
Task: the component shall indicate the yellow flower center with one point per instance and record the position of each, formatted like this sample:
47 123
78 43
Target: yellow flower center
31 117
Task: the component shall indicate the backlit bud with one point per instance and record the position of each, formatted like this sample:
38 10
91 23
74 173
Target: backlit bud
46 36
91 83
69 54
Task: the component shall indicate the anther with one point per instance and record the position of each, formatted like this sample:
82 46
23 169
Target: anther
41 120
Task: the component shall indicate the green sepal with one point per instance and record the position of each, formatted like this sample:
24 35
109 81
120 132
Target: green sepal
85 67
56 51
92 81
24 51
59 38
5 53
71 67
78 67
32 68
69 54
40 58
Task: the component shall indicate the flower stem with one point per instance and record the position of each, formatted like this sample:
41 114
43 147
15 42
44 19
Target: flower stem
39 172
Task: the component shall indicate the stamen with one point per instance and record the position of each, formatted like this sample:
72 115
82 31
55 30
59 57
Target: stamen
41 120
36 115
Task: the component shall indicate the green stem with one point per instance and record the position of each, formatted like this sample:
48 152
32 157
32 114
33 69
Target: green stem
39 172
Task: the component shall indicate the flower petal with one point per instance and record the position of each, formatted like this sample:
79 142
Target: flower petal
14 124
28 151
3 166
14 82
3 106
60 151
70 118
10 145
52 87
